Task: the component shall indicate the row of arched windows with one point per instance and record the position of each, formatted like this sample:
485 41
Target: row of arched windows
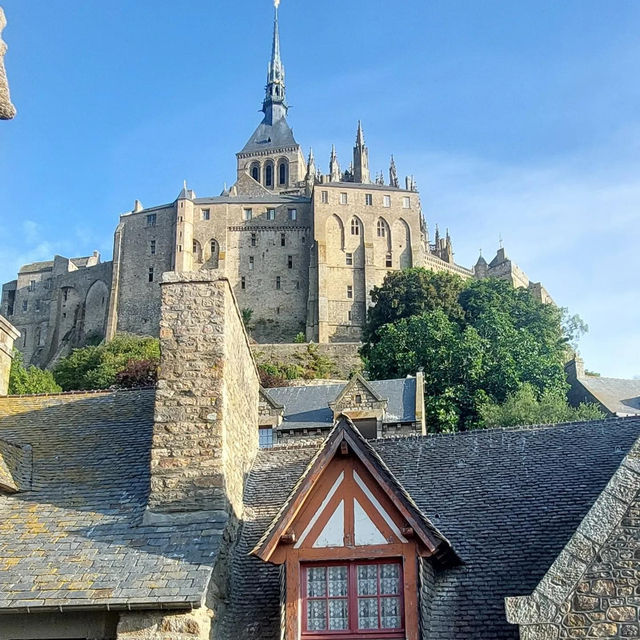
264 173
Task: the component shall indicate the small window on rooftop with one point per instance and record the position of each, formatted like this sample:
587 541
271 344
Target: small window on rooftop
266 438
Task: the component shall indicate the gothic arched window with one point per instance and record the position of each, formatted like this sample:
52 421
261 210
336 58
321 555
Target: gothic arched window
268 175
382 229
282 171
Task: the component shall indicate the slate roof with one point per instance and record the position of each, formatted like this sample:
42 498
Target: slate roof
508 500
270 136
307 407
76 540
621 397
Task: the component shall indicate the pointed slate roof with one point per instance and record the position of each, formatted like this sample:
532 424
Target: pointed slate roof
345 431
270 136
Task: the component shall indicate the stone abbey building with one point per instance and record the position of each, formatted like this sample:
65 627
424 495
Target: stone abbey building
301 249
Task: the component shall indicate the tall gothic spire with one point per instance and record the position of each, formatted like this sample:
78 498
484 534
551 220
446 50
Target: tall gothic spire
361 159
275 104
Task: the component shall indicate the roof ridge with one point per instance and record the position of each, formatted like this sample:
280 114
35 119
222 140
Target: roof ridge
515 428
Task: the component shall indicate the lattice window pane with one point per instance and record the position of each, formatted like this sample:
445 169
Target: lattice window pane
368 613
317 615
390 613
338 615
368 580
337 581
317 582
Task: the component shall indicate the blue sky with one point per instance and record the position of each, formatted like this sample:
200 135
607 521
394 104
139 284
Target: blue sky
516 118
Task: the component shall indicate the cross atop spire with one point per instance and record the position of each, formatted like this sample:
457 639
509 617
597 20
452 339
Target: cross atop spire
275 105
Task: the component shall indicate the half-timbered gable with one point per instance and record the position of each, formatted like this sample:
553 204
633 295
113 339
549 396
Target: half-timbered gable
350 539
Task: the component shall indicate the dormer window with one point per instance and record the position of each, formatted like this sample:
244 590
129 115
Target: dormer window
353 597
358 399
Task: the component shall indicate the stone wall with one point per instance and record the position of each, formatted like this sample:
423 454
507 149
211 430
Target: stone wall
144 240
592 590
206 414
93 625
8 334
195 625
344 355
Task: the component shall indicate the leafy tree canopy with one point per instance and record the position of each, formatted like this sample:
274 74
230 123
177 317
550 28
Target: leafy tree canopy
411 292
28 380
526 407
98 367
478 342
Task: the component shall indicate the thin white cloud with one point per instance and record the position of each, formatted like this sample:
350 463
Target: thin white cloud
571 223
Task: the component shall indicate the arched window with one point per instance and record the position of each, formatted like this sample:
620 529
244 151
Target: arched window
255 171
214 249
355 227
197 251
268 175
381 228
282 173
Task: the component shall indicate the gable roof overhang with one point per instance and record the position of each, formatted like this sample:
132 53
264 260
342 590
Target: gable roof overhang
432 541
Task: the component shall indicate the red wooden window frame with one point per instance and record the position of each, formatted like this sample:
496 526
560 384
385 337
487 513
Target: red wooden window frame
352 601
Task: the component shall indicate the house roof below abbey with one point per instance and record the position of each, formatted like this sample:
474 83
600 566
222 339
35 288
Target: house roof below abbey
76 539
508 501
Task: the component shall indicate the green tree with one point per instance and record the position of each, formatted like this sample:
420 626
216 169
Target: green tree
501 339
97 367
28 380
411 292
525 406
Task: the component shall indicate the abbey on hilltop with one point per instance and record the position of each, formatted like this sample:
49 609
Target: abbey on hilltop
301 249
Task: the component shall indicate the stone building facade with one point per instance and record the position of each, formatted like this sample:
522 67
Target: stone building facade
302 249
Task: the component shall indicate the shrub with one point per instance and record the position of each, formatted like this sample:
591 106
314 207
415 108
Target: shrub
28 380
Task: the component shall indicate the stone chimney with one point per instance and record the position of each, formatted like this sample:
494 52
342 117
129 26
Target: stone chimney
205 432
8 334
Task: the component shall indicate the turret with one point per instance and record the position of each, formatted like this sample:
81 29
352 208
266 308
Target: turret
361 172
335 175
393 174
310 178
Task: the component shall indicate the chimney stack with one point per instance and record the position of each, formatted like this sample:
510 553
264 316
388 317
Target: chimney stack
8 334
205 432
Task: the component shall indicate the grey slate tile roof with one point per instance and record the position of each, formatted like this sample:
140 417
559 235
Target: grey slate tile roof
270 136
507 500
76 539
307 407
621 397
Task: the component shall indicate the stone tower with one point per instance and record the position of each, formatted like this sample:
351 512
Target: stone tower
361 159
272 157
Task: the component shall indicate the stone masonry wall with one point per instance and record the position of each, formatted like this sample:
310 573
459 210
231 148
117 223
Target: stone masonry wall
606 602
206 414
8 334
195 625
